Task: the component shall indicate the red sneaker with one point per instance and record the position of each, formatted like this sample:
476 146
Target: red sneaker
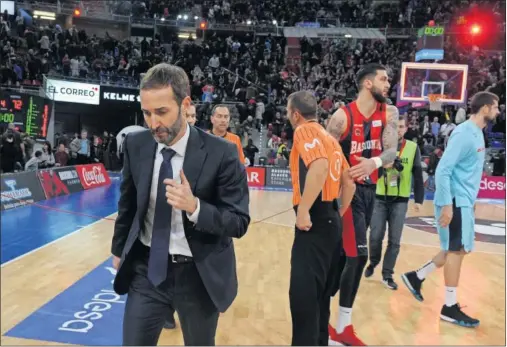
347 338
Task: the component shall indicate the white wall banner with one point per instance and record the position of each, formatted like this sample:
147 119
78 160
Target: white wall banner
67 91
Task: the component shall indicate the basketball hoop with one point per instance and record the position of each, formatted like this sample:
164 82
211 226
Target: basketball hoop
435 101
435 97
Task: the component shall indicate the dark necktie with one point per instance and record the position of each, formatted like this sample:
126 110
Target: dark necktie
159 252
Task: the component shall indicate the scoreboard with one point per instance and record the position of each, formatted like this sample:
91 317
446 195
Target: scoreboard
29 112
430 43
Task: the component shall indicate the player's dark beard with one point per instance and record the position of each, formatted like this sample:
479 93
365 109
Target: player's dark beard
171 132
377 95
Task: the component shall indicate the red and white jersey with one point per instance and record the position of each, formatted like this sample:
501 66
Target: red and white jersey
363 136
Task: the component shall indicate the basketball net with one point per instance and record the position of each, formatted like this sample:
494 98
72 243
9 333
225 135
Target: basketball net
435 102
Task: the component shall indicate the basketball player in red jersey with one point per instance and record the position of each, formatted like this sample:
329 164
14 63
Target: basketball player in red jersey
367 131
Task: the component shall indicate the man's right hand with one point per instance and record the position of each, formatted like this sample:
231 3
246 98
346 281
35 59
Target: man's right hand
116 262
445 216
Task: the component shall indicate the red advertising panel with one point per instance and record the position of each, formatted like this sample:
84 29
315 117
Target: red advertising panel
492 187
52 184
93 175
256 176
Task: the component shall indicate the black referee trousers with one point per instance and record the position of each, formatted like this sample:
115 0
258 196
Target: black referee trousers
313 277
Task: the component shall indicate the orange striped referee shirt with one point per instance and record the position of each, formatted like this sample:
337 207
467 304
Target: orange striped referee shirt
237 141
312 142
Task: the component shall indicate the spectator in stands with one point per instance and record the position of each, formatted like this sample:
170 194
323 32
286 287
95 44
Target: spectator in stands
191 116
28 143
10 152
95 150
74 148
61 156
83 154
445 130
110 158
120 145
250 151
425 131
34 163
461 115
47 159
11 129
435 129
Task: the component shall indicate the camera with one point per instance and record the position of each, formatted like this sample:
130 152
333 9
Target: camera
398 165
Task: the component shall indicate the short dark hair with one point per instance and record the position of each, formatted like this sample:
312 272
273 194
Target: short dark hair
304 102
218 106
368 71
164 75
403 117
482 99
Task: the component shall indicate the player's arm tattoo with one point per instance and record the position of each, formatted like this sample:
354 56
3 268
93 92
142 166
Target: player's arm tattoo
390 136
336 124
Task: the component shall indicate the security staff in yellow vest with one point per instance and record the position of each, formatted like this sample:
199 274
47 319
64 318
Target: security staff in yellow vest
393 193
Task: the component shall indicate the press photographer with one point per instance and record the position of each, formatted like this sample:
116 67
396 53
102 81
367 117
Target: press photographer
393 192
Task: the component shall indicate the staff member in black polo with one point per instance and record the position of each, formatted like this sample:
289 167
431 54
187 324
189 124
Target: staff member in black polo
184 196
391 204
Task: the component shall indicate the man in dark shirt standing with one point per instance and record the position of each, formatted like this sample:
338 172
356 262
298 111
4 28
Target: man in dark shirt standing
391 203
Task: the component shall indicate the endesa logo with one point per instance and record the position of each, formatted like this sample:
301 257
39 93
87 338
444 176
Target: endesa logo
256 176
81 93
93 175
492 187
94 309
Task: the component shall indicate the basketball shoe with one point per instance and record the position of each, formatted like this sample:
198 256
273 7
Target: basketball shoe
454 314
413 283
347 338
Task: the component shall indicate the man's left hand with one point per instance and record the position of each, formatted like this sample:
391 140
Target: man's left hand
179 195
363 169
417 207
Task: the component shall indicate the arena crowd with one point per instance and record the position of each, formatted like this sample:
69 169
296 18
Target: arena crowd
252 72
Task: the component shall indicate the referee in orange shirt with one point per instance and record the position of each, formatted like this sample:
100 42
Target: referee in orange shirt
220 118
319 173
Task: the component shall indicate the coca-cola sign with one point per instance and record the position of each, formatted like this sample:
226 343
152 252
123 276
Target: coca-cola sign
93 175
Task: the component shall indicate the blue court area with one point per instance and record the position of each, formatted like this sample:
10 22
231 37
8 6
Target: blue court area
87 313
30 227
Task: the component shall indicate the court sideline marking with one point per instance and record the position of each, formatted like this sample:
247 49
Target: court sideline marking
106 218
58 239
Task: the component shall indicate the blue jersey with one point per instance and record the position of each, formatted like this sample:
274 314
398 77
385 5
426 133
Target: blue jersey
459 171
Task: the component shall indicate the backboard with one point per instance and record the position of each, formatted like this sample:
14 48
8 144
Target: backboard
425 82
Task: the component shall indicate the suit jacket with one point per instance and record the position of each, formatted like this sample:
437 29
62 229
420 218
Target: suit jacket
218 179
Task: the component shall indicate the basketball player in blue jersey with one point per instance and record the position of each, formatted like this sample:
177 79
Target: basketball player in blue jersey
458 178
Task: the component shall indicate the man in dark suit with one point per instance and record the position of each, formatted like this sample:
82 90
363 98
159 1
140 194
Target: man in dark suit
184 195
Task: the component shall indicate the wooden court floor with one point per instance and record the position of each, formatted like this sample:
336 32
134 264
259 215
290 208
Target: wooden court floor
260 315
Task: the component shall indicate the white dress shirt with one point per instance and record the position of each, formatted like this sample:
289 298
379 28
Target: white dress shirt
426 128
178 243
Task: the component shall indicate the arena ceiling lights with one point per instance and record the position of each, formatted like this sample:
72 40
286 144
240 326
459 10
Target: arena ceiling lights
185 17
338 33
44 15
